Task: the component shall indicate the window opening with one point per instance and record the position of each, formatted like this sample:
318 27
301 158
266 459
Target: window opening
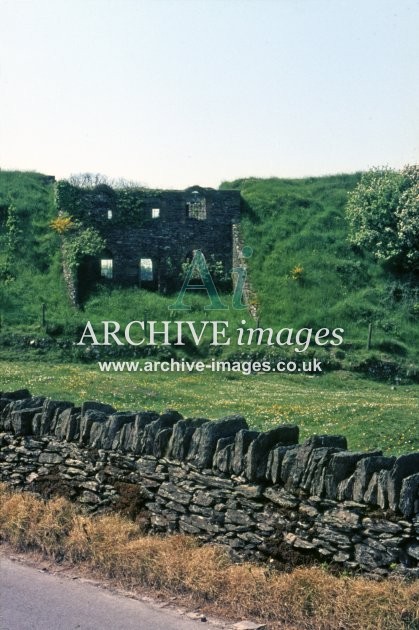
197 208
106 268
146 269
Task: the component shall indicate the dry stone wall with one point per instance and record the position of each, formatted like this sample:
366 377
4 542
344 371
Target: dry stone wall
261 493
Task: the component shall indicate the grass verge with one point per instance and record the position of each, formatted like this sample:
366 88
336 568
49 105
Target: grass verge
116 549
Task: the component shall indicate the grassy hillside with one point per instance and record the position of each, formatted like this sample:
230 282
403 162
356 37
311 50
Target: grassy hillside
303 269
33 196
306 273
30 273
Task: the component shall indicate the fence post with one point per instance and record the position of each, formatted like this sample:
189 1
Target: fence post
369 336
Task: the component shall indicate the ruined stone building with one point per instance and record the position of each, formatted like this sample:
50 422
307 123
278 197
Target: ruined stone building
150 234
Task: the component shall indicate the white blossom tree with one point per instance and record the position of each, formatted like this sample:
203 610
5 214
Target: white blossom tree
383 215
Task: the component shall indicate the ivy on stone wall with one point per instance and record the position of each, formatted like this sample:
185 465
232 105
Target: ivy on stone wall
77 242
80 243
92 205
85 207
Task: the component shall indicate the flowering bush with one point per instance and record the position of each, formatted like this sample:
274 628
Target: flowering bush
383 215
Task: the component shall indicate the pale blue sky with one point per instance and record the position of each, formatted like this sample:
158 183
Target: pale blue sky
176 92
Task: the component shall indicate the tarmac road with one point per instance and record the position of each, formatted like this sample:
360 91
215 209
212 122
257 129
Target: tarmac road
31 599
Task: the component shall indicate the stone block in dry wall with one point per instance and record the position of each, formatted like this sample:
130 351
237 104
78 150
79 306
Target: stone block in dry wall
205 438
364 471
313 478
372 554
161 443
382 488
327 441
371 493
18 405
92 405
21 421
206 500
256 459
149 434
50 457
409 495
222 456
36 423
240 518
3 403
67 426
6 398
123 438
56 417
242 442
197 524
295 470
340 467
341 519
18 394
181 437
72 427
274 465
345 489
290 463
50 413
404 466
413 551
211 481
171 492
142 419
281 497
88 419
97 429
249 490
114 424
373 526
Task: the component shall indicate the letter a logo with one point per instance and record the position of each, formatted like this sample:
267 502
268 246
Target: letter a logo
198 267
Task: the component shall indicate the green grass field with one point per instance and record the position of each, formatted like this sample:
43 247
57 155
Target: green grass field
370 414
288 223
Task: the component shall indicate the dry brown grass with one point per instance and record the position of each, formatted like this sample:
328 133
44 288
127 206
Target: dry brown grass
307 598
